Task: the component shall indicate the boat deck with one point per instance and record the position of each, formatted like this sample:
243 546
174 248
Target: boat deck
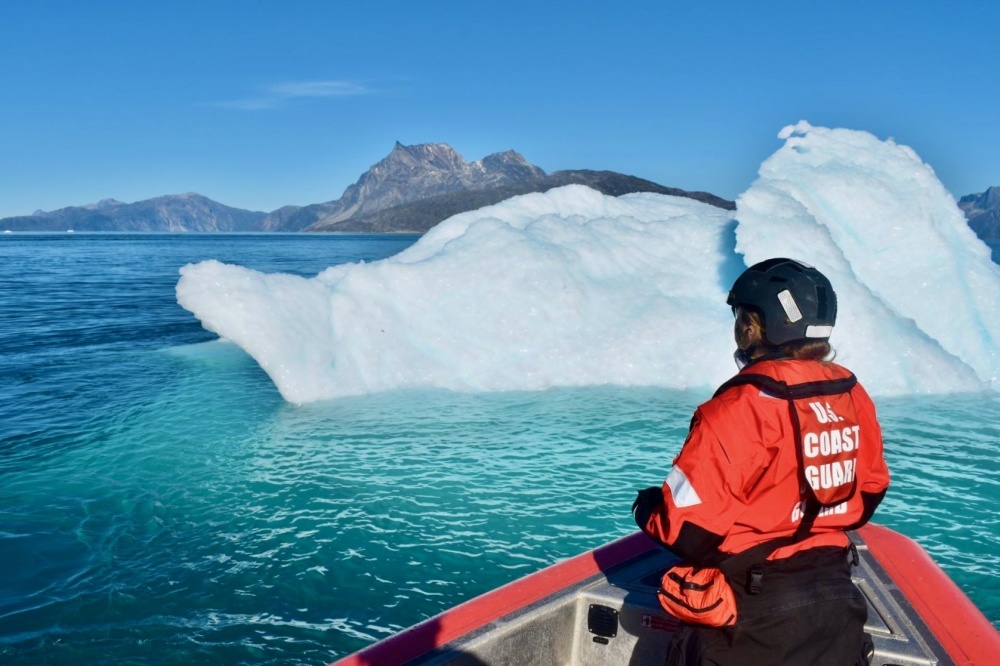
613 617
600 609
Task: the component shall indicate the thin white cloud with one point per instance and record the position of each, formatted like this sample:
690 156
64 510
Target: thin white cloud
318 89
249 104
281 93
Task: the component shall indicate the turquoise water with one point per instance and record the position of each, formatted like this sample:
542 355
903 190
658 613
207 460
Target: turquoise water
161 504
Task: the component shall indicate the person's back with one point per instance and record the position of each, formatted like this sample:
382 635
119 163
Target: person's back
784 458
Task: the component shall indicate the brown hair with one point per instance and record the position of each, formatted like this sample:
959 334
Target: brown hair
756 344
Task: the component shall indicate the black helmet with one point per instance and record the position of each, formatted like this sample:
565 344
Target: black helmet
796 300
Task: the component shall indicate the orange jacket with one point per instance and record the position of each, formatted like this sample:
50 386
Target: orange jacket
738 480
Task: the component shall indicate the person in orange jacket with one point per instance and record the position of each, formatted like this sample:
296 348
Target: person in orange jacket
783 460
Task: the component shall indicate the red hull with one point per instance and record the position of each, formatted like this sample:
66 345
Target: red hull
955 622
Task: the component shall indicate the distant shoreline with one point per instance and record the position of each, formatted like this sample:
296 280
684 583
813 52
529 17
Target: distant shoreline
994 245
189 234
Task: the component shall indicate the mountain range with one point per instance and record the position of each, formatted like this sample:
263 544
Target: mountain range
415 187
983 213
409 191
176 212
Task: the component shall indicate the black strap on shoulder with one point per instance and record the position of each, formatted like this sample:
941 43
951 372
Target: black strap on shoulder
794 391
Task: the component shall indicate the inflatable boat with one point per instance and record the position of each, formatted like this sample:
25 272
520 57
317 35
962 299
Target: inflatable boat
600 608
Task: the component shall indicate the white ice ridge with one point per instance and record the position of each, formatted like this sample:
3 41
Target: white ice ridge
573 288
919 296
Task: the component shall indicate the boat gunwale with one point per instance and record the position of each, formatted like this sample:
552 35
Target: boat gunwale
959 627
460 620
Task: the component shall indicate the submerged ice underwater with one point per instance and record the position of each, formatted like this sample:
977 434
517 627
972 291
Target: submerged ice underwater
504 386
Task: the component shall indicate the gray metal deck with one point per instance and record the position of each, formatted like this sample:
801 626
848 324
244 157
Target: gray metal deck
554 631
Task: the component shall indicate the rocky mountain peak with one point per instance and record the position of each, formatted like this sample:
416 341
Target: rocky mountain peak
505 157
103 204
510 165
411 173
974 204
428 156
982 210
991 197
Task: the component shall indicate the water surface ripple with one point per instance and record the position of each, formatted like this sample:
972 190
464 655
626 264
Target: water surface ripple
161 504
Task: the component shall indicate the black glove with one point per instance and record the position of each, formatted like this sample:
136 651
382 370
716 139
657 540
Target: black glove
646 501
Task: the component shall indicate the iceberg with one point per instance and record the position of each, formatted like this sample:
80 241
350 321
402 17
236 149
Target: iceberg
572 287
919 296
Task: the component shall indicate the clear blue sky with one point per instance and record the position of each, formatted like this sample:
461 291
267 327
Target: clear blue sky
262 104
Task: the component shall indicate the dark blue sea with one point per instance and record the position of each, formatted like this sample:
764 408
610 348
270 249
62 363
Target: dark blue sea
161 504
